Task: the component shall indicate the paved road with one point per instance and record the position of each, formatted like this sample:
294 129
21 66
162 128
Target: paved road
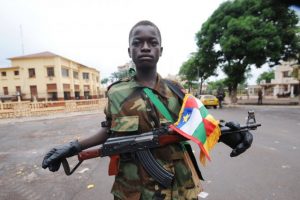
269 170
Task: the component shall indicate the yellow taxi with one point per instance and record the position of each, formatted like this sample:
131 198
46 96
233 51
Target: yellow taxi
209 100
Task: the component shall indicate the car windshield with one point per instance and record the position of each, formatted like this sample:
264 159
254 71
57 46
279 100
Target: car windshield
208 97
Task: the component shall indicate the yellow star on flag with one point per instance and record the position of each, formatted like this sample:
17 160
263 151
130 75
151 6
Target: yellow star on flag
186 117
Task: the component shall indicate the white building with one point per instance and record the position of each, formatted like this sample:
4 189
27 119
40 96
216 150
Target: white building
284 84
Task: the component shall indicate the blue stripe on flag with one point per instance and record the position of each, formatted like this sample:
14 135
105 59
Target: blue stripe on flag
186 112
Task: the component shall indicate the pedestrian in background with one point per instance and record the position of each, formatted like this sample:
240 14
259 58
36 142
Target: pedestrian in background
260 94
220 96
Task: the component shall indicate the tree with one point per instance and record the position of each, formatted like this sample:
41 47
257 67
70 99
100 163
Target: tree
213 86
193 69
104 81
188 71
243 33
267 76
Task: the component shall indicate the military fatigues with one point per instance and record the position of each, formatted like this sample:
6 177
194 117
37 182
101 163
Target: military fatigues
131 112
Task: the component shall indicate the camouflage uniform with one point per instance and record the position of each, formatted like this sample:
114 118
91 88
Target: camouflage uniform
130 112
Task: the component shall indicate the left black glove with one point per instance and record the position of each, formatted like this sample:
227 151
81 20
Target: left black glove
239 141
53 158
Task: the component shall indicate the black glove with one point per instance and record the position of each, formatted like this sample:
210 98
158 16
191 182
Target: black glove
239 141
53 158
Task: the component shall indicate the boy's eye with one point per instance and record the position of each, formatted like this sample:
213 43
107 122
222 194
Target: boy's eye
154 43
135 42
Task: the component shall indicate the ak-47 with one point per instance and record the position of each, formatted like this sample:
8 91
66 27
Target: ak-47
140 146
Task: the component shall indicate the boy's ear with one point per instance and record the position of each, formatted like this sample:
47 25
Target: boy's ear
129 52
161 50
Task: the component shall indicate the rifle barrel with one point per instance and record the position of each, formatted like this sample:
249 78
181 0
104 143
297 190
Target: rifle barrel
227 130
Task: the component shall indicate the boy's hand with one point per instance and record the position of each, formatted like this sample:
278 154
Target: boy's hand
53 158
239 142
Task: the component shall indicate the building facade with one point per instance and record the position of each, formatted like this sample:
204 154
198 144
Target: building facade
283 84
48 76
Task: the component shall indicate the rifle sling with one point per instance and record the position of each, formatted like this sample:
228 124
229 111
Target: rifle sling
158 104
175 89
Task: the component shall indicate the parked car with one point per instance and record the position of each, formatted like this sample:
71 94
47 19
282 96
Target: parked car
209 100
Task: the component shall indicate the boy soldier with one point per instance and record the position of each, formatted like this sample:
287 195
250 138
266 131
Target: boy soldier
130 111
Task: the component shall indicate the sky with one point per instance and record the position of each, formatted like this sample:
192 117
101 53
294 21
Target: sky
95 32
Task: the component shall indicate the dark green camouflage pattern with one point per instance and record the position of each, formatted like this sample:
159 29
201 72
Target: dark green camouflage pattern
130 112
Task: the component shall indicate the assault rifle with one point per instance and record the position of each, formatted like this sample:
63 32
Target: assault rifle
140 146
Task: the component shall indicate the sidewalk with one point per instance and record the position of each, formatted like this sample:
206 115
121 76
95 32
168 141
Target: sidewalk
270 101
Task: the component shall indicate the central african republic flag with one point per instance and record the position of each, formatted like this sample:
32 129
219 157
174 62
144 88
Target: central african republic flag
195 123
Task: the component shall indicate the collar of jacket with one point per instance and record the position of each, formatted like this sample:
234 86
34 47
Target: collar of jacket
160 87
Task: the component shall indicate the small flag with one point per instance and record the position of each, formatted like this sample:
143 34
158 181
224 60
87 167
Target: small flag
195 123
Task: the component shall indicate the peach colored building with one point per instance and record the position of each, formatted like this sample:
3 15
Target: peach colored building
48 76
283 84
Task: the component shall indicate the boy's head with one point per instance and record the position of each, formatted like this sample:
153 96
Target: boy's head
145 23
145 45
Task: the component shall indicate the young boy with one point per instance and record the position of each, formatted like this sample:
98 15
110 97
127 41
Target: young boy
130 111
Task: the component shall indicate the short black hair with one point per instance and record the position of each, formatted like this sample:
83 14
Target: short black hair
145 23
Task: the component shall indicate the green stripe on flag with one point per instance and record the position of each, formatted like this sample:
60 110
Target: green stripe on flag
200 133
203 111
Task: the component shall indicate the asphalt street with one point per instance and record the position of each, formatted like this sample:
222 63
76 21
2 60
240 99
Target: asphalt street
268 170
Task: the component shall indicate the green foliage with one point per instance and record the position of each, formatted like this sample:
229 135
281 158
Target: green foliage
296 72
104 81
188 71
243 33
215 85
195 68
267 76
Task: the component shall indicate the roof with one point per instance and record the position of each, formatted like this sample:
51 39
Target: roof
9 68
36 55
45 54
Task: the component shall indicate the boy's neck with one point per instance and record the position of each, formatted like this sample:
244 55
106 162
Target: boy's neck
147 78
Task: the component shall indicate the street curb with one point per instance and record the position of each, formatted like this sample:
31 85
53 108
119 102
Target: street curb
267 105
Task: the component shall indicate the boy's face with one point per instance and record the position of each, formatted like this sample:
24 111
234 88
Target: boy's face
145 46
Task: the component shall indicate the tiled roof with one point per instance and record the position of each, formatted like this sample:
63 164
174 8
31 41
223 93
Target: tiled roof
46 54
36 55
12 67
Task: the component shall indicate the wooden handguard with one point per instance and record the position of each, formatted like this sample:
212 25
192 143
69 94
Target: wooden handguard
91 153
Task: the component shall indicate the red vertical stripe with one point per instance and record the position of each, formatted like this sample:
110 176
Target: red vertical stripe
191 103
209 126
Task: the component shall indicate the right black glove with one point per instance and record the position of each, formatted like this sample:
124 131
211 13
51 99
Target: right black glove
53 158
239 141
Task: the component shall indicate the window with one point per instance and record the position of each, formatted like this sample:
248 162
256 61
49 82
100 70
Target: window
75 75
3 73
85 76
286 74
5 90
16 73
18 90
50 71
33 92
31 72
64 72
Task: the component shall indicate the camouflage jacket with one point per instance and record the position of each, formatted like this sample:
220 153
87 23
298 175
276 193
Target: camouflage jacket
130 111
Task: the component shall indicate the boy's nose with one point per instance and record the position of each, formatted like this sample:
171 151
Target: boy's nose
145 46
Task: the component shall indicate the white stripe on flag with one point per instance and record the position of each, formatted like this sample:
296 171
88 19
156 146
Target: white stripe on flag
193 122
200 104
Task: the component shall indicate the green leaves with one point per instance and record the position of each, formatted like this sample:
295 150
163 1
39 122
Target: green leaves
267 76
242 33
